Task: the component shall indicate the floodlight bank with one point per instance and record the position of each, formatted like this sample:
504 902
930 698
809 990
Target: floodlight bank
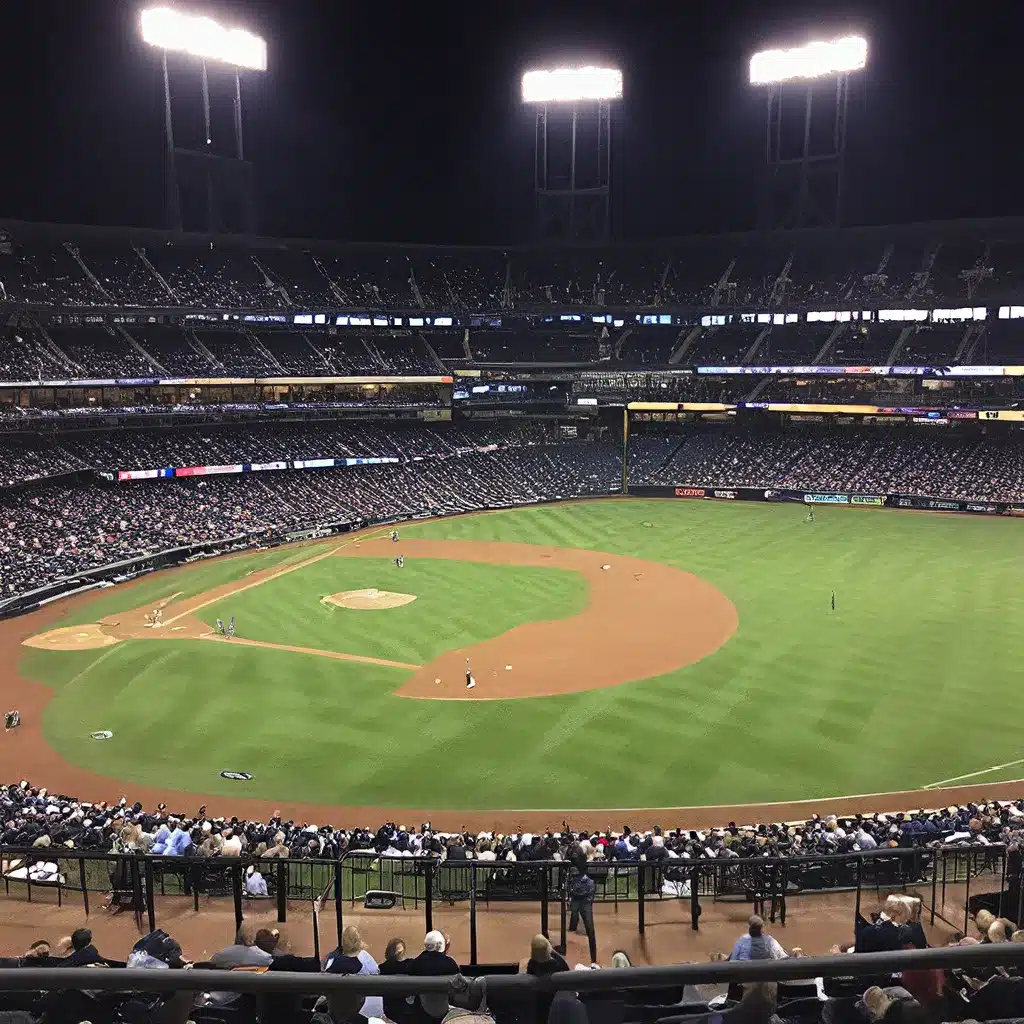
203 37
569 85
815 60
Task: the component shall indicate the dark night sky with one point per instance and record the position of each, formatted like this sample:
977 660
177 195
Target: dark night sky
395 120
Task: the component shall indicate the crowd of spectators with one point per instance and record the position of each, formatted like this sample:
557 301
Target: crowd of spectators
93 271
94 352
50 532
44 830
51 822
864 461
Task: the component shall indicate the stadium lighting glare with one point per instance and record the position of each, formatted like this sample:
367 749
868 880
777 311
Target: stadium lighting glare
203 37
570 85
815 60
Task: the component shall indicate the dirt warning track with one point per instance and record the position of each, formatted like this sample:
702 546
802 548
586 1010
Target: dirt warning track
642 619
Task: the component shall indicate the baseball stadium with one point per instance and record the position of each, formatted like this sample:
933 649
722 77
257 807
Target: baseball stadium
495 615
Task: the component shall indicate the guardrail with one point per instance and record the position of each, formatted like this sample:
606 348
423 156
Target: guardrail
421 884
859 965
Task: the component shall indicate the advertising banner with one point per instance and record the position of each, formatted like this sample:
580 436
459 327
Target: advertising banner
827 499
143 474
207 470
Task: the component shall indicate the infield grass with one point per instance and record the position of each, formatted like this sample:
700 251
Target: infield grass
801 702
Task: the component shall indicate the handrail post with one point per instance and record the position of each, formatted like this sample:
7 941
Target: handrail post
695 896
85 887
136 889
563 942
428 897
860 882
339 919
641 882
150 905
548 875
236 891
282 891
472 912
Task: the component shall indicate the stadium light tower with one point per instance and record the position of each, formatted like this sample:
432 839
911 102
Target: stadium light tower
808 91
572 154
226 178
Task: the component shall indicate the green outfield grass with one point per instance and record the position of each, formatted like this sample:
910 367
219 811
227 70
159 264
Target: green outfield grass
800 703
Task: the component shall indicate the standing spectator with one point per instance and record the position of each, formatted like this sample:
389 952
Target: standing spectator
581 900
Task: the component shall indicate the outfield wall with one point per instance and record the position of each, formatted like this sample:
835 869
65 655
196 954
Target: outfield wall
923 503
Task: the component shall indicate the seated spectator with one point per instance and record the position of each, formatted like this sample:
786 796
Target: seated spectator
544 962
755 945
882 934
243 952
468 1000
433 962
396 1008
352 946
890 1005
83 952
255 883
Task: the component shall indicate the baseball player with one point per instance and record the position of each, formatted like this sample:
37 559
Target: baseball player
810 515
231 627
158 617
400 561
470 681
220 626
394 536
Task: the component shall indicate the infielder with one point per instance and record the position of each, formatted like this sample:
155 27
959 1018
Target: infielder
470 681
394 536
231 627
220 626
400 561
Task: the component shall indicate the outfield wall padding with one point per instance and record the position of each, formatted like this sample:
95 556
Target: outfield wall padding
924 503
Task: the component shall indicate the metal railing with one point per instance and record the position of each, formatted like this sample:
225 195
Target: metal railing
423 884
858 965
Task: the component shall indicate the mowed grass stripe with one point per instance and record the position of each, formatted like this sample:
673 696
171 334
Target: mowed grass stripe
801 702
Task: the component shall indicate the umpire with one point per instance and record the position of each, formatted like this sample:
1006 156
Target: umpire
581 898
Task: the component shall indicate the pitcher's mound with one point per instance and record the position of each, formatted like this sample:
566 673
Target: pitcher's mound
368 600
71 638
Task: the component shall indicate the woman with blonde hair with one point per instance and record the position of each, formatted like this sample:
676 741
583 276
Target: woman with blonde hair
352 948
983 921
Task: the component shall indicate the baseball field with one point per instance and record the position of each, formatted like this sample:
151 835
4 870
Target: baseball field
625 654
